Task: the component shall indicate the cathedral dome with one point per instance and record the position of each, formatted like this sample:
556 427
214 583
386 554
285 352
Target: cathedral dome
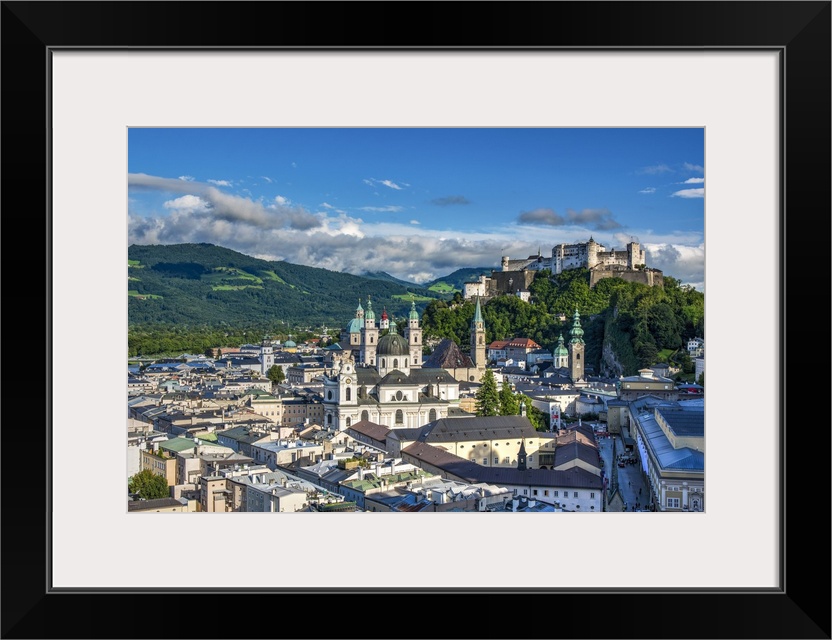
393 345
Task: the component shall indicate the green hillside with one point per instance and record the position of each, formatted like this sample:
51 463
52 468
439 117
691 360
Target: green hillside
626 325
207 285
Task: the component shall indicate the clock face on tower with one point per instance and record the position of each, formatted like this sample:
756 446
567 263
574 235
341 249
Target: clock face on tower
347 381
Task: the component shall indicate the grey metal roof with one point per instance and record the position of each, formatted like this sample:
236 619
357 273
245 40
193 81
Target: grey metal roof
684 422
479 428
577 451
471 472
668 458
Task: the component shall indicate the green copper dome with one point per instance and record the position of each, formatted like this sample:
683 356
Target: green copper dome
560 350
414 315
370 315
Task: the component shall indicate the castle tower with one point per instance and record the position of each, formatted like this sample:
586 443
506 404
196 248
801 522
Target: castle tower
635 255
560 354
591 253
385 320
369 336
576 349
478 338
504 263
414 337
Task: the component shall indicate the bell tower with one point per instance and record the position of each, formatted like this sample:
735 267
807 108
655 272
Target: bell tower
414 337
478 338
576 349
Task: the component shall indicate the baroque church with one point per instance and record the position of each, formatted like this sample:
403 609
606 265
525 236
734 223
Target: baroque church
384 380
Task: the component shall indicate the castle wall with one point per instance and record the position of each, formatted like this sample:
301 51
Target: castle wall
499 283
650 277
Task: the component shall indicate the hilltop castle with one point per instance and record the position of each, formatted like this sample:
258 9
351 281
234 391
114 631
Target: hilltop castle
515 276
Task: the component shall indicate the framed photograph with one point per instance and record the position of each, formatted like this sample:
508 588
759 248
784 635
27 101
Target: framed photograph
753 76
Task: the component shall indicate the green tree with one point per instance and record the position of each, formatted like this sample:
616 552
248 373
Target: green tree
509 405
148 485
488 400
275 374
539 420
701 380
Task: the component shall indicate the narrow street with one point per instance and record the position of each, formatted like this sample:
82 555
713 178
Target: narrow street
632 484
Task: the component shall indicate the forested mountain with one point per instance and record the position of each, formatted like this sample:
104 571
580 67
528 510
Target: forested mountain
203 284
382 275
626 325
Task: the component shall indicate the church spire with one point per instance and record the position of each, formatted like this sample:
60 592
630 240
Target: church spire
576 332
478 353
521 456
477 314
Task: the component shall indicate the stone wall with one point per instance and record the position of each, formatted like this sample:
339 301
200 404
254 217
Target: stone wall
650 277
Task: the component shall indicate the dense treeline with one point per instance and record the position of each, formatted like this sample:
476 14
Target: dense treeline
173 340
636 321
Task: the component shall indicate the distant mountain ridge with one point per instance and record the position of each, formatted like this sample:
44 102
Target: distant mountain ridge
209 285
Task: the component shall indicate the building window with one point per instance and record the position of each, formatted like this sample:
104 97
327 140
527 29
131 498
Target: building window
399 417
365 415
673 503
525 491
534 492
507 460
546 492
485 461
592 494
396 363
574 494
496 460
349 394
555 494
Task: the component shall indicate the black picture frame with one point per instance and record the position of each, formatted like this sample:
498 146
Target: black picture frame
800 31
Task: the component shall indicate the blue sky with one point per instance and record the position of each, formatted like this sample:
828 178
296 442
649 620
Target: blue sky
420 203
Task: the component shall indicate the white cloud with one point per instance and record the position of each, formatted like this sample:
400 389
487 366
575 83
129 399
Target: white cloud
326 205
224 206
388 209
386 183
294 165
220 183
689 193
404 248
188 204
187 178
283 202
693 167
683 262
267 179
655 169
648 190
694 181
